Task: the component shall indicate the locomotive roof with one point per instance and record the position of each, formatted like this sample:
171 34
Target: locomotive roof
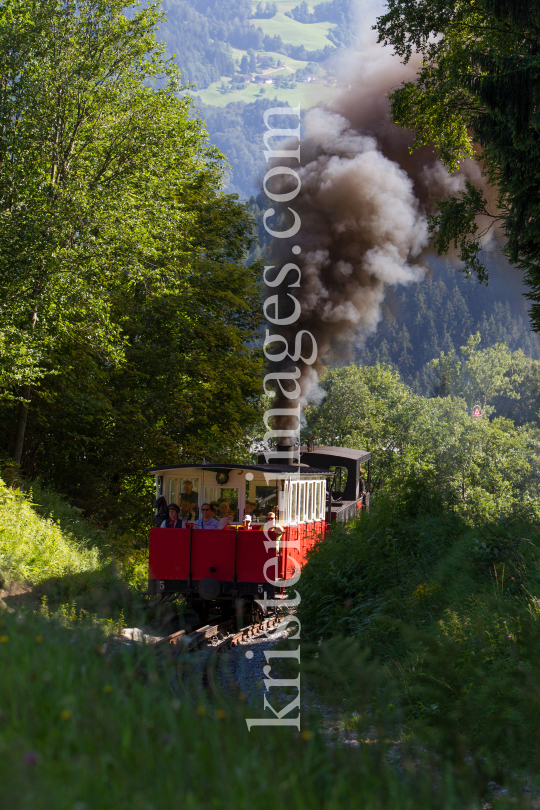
283 469
338 452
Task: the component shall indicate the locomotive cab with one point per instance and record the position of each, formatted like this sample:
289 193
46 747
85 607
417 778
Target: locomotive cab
247 557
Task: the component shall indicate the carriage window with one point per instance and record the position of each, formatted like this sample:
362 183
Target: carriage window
266 499
224 500
263 499
309 507
173 490
322 501
188 494
319 501
301 498
294 499
340 479
282 506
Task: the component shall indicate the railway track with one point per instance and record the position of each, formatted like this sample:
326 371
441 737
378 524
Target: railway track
217 638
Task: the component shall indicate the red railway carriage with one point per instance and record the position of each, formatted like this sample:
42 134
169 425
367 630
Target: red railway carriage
247 556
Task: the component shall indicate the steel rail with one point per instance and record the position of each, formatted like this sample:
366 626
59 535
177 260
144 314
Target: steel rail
251 631
203 637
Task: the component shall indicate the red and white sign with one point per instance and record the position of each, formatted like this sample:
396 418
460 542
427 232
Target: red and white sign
477 412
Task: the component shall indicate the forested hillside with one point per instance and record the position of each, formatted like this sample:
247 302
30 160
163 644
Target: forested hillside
441 312
209 38
221 47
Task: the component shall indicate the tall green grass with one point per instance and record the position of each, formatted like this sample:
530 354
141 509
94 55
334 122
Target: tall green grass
46 545
84 730
85 725
452 614
34 548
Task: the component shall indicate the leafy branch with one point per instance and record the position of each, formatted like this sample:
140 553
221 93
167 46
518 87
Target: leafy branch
456 225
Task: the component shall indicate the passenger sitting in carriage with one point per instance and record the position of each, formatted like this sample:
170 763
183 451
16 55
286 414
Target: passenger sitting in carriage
189 511
173 521
206 521
226 513
250 511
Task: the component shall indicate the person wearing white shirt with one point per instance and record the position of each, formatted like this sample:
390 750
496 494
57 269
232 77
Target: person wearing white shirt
173 521
206 521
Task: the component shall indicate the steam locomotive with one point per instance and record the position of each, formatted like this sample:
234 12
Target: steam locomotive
250 557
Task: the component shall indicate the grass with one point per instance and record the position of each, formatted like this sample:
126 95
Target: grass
34 548
452 612
307 95
293 64
85 726
84 730
46 546
313 36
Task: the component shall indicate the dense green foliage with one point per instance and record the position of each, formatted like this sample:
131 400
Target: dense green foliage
237 130
32 548
430 449
48 547
147 738
452 614
125 295
478 83
440 581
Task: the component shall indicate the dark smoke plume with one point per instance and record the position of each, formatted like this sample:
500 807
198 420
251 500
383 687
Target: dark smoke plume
363 205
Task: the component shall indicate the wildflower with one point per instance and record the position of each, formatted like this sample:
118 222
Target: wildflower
201 711
306 735
107 688
30 758
65 714
3 639
39 639
220 714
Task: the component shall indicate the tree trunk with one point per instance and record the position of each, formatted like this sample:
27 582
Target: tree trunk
23 407
21 426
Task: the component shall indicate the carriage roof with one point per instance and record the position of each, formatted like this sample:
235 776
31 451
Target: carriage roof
322 458
279 469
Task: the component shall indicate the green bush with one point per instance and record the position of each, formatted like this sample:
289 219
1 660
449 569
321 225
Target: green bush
35 548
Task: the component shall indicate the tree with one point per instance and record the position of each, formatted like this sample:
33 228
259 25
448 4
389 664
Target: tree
371 408
112 225
426 452
492 372
244 64
447 368
476 95
483 376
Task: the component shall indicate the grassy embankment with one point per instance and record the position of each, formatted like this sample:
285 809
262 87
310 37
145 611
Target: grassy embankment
49 552
451 613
